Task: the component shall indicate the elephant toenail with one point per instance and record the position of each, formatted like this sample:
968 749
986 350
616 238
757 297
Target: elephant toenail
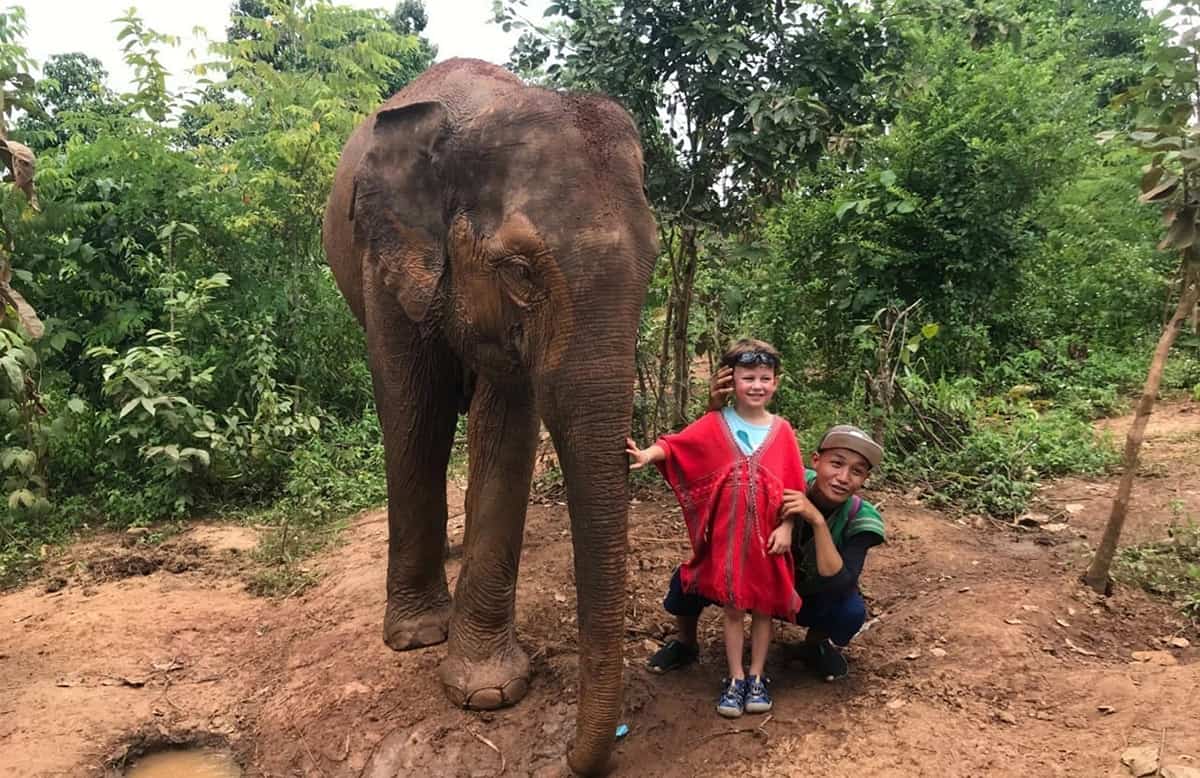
515 690
431 634
486 699
456 696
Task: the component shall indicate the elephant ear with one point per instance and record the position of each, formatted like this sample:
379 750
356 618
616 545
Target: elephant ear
397 207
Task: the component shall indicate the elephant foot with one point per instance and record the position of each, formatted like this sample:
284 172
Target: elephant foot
487 684
424 629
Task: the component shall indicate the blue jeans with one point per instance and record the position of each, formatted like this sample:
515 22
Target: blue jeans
839 615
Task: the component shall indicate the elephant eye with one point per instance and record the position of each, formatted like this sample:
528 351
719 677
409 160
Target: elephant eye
516 276
517 266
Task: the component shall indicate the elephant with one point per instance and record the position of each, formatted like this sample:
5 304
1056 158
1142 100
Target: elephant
495 242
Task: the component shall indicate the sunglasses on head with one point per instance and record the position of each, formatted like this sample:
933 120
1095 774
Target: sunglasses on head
750 358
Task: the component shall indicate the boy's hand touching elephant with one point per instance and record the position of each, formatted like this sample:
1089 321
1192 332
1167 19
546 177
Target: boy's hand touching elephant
640 457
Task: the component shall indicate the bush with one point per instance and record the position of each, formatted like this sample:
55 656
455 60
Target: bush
985 454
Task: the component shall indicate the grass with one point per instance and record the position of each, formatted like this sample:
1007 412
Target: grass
1167 568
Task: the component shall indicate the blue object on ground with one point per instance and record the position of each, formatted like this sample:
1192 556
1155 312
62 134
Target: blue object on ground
622 730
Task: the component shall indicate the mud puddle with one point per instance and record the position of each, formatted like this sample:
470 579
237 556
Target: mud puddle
186 763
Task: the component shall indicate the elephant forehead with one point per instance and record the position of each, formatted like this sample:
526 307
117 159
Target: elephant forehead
536 150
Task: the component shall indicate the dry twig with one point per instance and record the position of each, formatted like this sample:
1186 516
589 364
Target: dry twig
740 730
653 539
308 751
491 745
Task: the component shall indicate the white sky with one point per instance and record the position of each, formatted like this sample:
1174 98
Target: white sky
459 28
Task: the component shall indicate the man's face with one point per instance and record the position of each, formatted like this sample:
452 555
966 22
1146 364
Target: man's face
840 473
753 387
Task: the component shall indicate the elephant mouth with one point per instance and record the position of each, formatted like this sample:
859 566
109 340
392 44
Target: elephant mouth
498 359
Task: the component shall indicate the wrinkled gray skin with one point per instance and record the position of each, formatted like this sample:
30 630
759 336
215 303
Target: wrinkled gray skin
495 242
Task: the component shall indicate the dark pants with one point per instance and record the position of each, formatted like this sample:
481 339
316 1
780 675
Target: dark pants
839 615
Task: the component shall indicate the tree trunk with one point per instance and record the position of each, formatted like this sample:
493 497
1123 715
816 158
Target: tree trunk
644 391
880 385
684 283
1097 576
664 366
668 239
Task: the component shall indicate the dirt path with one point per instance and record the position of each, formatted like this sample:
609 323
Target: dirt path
985 656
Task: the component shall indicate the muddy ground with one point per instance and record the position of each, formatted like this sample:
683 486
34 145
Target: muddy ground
984 656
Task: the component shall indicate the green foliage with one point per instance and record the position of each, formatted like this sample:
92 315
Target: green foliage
328 479
1169 568
731 98
333 475
23 446
943 211
985 454
302 37
72 87
23 429
196 347
17 91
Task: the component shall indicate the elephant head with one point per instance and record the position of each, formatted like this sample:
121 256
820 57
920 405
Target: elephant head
512 221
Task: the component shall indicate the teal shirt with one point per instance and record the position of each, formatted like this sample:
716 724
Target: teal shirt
748 436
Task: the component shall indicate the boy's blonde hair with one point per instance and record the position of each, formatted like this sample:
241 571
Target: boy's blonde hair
752 346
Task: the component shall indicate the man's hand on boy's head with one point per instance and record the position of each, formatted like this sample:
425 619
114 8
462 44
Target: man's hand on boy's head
797 504
720 386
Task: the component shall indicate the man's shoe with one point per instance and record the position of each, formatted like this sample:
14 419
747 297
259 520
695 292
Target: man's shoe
673 655
825 658
758 699
732 701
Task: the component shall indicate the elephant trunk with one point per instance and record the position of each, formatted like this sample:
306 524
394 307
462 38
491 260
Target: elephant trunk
588 417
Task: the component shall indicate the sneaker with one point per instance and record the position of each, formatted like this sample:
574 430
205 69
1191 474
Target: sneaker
826 660
672 656
733 698
758 699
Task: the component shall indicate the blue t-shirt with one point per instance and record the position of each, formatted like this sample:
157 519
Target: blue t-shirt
748 436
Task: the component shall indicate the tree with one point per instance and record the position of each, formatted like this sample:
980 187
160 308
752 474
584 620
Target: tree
986 190
1167 129
251 21
71 84
731 98
409 18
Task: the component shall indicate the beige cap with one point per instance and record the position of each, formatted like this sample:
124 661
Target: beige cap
850 437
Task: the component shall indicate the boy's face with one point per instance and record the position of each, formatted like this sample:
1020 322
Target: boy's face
840 473
753 386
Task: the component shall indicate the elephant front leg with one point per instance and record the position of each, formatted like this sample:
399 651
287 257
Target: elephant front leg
484 667
416 385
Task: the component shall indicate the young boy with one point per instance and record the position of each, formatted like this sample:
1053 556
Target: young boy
830 551
730 470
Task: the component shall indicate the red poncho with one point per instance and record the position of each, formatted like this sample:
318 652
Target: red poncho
731 505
